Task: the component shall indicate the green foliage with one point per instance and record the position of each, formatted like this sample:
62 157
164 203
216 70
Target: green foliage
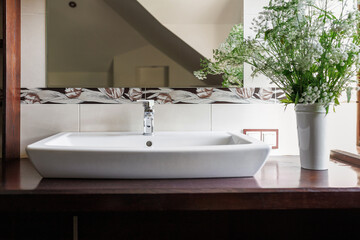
228 60
302 46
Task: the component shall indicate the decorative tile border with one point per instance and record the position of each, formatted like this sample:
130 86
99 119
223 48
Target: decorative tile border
280 95
211 95
160 95
81 95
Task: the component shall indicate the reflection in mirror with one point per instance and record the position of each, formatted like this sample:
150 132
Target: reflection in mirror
135 43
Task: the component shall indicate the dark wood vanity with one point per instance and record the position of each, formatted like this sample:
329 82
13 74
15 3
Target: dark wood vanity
282 199
280 184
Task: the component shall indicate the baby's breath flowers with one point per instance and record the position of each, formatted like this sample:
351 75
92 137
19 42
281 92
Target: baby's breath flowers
308 48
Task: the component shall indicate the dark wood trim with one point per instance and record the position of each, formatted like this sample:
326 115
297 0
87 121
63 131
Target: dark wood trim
299 224
115 201
346 157
11 79
358 110
358 116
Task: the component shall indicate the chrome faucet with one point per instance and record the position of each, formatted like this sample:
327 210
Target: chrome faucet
148 116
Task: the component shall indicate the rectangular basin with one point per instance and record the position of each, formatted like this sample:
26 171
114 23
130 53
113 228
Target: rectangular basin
135 156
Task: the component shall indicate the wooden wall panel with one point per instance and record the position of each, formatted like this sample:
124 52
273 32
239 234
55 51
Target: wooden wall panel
358 110
11 80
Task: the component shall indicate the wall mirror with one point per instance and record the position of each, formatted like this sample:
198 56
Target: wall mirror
134 43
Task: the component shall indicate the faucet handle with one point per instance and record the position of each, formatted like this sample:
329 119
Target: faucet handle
148 104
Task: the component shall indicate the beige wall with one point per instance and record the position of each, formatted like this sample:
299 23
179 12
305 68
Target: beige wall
203 24
79 79
125 66
39 121
33 43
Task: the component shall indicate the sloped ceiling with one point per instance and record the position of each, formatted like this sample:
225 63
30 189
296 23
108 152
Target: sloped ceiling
203 24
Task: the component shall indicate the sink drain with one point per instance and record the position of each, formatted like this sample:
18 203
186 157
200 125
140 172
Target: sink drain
149 143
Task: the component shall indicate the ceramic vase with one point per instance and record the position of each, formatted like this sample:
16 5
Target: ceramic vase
312 128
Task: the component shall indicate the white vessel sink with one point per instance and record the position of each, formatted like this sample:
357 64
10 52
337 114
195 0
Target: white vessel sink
163 155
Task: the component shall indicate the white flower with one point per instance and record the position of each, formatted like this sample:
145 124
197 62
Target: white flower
200 75
291 47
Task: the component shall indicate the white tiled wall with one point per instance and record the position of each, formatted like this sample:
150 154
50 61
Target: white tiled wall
196 117
111 117
274 116
39 121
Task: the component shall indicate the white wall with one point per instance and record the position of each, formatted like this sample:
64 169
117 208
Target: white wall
196 21
78 79
33 43
251 10
39 121
125 66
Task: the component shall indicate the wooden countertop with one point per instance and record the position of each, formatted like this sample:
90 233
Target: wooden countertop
280 184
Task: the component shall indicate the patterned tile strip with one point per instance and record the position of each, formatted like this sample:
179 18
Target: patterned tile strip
160 95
